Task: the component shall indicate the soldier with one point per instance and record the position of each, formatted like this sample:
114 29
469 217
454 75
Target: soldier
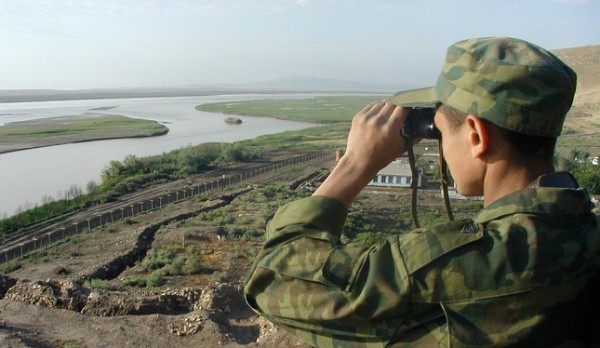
522 272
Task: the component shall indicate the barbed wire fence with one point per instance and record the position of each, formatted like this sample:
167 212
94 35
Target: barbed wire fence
35 241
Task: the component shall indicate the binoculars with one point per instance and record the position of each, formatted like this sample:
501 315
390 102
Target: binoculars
419 124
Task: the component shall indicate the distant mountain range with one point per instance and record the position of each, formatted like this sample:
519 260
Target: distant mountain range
312 83
585 60
296 84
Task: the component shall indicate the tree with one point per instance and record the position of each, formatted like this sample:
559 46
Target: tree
573 159
580 164
588 176
91 186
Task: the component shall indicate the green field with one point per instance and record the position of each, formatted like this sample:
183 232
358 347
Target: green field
341 109
61 130
333 114
318 109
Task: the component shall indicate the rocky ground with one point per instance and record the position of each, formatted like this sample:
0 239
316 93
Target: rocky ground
52 300
80 292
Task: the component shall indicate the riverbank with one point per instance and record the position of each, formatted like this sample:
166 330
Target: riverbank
215 315
16 136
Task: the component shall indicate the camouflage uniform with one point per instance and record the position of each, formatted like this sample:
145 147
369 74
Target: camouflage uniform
518 273
523 272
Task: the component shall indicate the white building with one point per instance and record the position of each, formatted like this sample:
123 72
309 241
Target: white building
396 174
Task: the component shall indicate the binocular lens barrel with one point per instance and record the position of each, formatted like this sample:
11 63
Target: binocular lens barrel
419 124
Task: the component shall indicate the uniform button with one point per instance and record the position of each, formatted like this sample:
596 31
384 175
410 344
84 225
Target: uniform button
471 228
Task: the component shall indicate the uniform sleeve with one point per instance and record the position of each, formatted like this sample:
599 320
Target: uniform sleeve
306 281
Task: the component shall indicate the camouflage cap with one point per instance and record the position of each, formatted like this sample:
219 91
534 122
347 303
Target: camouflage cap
510 82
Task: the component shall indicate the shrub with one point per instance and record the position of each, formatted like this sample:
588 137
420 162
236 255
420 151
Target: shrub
192 265
223 220
98 284
369 238
135 281
253 236
157 259
11 267
175 268
355 223
237 231
155 279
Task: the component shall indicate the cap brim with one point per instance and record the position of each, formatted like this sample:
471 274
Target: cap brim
416 98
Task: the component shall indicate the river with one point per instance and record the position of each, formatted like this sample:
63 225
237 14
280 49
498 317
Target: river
29 177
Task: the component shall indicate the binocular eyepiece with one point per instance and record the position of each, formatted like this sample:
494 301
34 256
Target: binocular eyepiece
419 124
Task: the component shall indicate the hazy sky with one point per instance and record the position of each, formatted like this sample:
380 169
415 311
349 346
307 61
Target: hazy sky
74 44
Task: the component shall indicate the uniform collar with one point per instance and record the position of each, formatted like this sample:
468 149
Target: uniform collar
555 193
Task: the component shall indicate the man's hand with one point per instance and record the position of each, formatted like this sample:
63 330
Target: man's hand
373 142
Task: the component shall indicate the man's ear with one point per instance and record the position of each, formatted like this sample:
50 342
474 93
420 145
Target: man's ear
479 136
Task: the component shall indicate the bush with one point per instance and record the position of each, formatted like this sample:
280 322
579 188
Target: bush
253 236
355 223
588 176
135 281
369 238
237 231
218 217
11 267
98 284
157 259
192 265
155 279
174 268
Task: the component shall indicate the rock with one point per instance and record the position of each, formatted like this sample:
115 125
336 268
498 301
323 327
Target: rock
50 293
187 326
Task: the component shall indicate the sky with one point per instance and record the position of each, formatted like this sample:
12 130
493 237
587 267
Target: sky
76 44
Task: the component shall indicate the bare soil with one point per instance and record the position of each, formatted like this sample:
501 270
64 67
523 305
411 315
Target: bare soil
45 303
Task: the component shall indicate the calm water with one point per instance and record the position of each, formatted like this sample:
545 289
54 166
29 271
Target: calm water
26 177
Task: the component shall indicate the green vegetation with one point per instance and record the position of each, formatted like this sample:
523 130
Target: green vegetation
336 111
316 109
137 281
70 344
28 134
43 212
10 267
328 136
131 174
109 125
580 163
98 284
162 263
246 220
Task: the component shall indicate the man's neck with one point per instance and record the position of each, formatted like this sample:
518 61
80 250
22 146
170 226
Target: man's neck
503 178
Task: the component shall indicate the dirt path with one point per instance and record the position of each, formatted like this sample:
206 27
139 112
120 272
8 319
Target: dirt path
43 304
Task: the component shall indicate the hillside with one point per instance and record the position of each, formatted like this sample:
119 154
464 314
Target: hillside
46 301
582 126
586 63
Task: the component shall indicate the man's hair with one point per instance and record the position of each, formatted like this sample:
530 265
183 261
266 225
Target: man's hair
525 145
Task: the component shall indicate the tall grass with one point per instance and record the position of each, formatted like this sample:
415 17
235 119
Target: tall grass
318 109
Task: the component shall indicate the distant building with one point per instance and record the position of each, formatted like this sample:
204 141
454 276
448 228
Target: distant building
396 174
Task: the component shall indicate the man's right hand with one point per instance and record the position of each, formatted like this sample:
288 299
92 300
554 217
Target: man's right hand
373 142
